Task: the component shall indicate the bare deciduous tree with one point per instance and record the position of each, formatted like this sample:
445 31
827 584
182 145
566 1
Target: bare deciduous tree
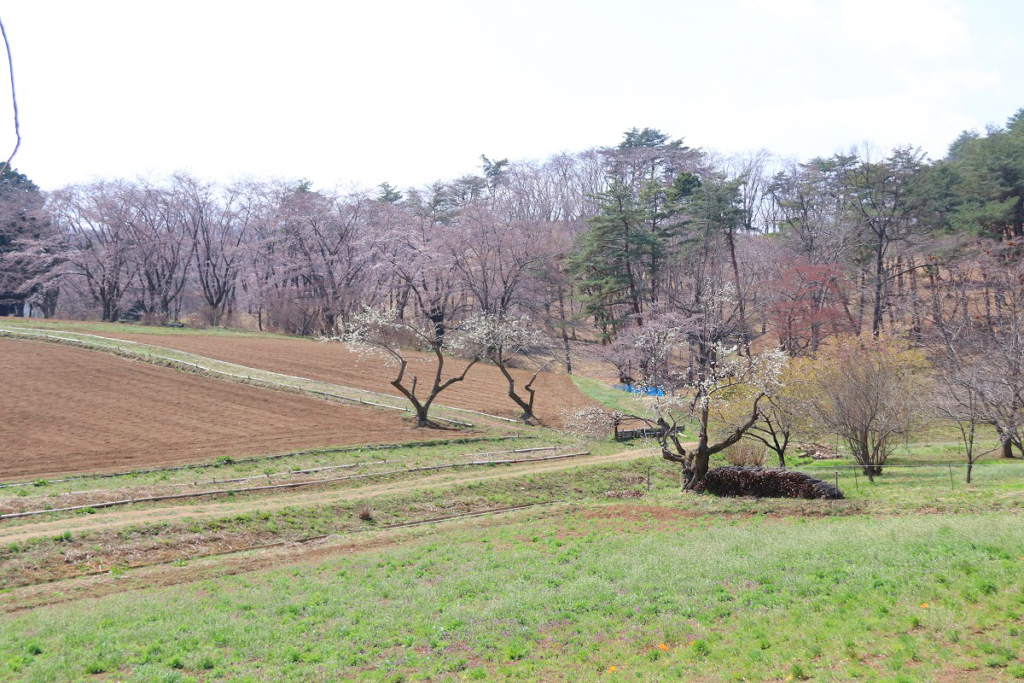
871 392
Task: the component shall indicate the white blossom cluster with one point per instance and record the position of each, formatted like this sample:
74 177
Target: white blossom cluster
378 332
589 421
494 334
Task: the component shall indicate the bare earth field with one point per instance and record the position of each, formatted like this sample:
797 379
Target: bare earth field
484 388
582 569
67 410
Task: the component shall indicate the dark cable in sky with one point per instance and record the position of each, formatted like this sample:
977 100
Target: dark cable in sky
14 99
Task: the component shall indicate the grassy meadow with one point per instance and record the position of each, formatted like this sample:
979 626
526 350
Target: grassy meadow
894 584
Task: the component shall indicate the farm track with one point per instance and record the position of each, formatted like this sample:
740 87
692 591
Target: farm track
119 518
165 575
106 498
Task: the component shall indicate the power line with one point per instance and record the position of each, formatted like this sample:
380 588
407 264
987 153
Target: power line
14 100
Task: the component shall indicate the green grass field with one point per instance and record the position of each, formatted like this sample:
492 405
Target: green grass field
570 596
895 584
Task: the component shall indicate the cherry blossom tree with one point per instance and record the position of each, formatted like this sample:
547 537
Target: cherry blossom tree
162 246
381 331
729 371
721 374
503 341
97 220
31 248
219 224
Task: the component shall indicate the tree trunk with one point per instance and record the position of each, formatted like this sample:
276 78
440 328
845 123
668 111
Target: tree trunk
565 335
700 461
872 471
527 416
876 319
421 416
698 468
744 337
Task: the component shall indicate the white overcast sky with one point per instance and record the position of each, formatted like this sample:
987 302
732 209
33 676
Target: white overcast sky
410 92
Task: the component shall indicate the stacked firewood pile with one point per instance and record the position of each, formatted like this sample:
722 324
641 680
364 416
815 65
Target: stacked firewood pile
766 483
817 451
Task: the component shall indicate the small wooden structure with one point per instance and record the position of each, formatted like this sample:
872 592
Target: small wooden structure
638 429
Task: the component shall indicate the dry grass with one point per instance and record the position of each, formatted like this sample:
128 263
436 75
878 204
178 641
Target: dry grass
746 454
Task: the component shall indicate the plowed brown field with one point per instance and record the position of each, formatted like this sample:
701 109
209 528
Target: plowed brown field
66 410
484 389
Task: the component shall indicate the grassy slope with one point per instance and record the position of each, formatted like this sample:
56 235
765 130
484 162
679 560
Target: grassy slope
567 598
609 397
94 327
733 594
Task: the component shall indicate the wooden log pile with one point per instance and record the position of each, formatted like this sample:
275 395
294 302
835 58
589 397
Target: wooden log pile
766 483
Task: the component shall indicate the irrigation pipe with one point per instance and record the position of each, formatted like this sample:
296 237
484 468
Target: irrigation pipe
285 473
292 485
354 465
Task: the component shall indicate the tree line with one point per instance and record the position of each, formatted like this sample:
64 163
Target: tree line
679 266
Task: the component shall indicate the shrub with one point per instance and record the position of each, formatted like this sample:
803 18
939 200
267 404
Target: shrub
746 454
871 392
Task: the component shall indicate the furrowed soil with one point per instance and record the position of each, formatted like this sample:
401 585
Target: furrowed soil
484 389
68 410
116 518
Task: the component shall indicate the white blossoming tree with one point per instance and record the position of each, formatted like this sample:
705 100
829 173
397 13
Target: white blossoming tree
502 340
381 331
718 374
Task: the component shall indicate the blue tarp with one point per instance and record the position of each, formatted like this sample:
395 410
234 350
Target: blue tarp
642 391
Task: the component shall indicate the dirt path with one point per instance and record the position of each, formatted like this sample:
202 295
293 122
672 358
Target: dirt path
222 508
201 569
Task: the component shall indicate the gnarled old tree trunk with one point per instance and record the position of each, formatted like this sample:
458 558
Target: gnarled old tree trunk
1005 441
695 462
526 404
422 408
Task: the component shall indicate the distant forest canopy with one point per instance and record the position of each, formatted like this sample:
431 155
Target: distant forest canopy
588 246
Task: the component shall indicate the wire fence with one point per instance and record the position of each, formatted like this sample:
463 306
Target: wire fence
856 473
